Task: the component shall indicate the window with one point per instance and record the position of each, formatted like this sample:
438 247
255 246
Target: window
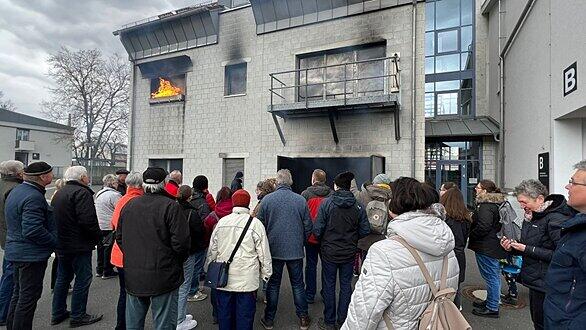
450 97
22 134
168 164
235 79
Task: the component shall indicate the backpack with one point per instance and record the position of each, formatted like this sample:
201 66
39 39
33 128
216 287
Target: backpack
376 212
441 313
510 223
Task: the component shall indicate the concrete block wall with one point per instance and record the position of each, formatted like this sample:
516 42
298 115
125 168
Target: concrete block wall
489 159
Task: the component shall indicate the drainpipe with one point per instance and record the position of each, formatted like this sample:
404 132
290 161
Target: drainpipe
502 54
413 87
129 157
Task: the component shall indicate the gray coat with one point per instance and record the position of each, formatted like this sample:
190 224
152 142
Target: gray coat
6 185
106 200
285 216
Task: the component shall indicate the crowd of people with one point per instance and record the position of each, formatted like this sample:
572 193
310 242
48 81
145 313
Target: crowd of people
395 240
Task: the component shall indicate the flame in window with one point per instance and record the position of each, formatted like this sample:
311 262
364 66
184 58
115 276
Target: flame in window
166 89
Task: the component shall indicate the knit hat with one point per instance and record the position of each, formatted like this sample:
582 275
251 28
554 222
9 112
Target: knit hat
344 180
38 168
241 198
381 178
122 171
200 183
154 175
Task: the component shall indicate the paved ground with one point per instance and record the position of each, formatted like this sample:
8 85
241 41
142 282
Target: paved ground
104 295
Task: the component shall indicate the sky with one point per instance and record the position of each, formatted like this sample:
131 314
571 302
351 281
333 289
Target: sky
30 30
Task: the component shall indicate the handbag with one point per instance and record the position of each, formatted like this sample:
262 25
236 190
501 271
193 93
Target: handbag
217 275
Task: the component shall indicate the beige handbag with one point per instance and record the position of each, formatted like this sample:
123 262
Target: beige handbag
441 313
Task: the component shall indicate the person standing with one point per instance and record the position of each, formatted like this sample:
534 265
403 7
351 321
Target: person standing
30 239
237 300
134 189
78 233
11 172
565 281
287 222
341 222
485 243
153 235
121 174
106 200
314 195
459 219
173 182
238 181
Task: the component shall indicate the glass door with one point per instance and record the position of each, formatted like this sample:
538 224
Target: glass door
453 171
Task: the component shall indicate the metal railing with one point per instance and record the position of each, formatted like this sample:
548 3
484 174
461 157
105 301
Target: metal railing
377 76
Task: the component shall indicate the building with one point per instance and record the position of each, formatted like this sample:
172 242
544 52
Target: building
541 48
30 139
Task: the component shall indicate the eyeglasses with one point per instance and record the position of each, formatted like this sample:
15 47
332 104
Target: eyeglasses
574 183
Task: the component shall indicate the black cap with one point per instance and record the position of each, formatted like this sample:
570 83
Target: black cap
154 175
38 168
122 171
344 180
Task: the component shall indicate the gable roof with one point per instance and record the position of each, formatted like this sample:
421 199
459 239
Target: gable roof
19 118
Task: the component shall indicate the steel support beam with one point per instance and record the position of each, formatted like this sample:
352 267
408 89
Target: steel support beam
279 129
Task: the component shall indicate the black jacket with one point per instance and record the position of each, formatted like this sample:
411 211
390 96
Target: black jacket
198 201
196 229
75 216
153 235
541 235
7 183
461 231
486 225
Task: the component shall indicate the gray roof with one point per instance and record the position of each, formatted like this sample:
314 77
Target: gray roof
19 118
461 127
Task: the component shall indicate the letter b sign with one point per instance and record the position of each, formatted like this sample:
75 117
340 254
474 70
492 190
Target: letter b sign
570 79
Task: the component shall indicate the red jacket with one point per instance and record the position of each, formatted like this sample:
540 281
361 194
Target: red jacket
210 200
117 257
223 208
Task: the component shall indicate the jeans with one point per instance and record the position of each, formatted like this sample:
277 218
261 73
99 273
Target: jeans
6 288
103 265
54 267
163 308
329 272
199 261
536 300
121 308
78 265
184 288
295 270
28 287
311 254
490 271
236 310
458 297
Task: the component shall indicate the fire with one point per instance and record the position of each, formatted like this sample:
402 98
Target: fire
166 89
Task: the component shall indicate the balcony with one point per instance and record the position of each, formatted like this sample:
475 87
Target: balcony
24 145
357 87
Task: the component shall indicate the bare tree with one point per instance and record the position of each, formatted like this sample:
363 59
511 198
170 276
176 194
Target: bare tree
6 104
93 92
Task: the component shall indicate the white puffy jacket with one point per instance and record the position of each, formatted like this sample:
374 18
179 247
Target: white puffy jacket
392 283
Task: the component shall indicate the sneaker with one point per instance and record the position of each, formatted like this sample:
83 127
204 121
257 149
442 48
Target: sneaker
304 322
485 312
85 320
509 300
198 296
99 274
57 320
479 304
267 324
189 317
109 275
187 324
323 326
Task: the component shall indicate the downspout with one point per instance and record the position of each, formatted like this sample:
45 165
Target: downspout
413 87
502 54
129 164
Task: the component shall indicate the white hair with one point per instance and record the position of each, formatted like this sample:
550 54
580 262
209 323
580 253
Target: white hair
152 188
134 179
109 180
11 167
581 166
531 188
75 173
284 177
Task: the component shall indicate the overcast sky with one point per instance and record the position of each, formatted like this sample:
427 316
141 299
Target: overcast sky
30 30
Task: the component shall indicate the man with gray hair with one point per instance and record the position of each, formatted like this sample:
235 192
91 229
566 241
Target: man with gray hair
285 216
565 282
106 200
11 176
78 233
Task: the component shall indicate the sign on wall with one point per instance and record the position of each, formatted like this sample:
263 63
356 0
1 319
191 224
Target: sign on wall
571 79
543 168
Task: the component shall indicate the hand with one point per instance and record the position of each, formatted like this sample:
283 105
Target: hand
506 243
518 246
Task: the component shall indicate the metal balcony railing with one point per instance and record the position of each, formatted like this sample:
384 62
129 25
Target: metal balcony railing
344 81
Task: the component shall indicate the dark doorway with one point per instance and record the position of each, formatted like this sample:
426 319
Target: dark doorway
22 157
364 168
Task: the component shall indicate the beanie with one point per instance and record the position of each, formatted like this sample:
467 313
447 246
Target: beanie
344 180
38 168
200 183
381 178
241 198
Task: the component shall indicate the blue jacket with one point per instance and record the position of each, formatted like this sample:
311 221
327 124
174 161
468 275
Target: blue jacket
341 221
31 235
565 282
285 216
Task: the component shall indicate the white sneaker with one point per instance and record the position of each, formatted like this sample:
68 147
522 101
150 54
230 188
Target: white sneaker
187 324
198 296
189 317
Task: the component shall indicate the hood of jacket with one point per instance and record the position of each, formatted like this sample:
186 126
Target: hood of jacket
558 205
319 189
423 230
343 199
224 208
494 198
377 192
